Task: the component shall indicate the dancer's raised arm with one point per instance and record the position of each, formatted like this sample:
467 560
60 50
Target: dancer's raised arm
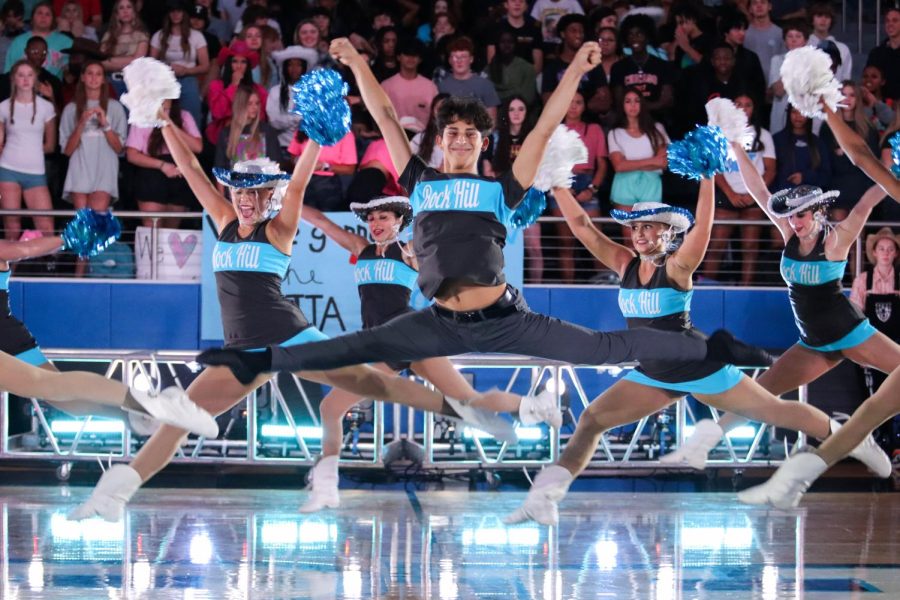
847 231
532 152
612 254
691 253
206 193
377 102
347 240
860 154
759 190
283 227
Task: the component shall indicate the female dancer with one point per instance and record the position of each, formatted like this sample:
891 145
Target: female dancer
831 327
250 259
386 274
19 349
656 292
786 487
461 225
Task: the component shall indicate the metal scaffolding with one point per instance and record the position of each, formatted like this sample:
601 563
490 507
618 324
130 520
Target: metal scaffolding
278 424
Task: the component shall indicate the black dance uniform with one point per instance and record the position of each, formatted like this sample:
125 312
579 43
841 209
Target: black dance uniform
659 304
249 272
826 318
385 286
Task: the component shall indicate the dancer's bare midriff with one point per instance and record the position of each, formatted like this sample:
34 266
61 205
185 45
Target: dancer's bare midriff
464 296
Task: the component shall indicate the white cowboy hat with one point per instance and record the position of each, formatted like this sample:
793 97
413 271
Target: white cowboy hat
680 219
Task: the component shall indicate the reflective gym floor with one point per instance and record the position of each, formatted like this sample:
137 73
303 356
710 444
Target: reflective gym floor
232 544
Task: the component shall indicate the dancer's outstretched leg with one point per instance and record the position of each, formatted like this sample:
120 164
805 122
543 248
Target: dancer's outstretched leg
786 487
81 388
625 402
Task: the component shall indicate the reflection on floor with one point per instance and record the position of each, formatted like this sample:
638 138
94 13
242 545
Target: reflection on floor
208 543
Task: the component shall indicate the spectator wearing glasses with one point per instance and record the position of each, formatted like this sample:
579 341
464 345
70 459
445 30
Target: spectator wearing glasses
463 82
42 25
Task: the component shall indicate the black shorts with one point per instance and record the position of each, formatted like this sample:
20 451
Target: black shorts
15 339
152 185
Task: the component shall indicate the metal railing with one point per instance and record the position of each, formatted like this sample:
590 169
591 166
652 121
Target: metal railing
729 253
278 424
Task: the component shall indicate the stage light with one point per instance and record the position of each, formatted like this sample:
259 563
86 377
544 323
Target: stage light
73 426
284 431
555 383
606 551
201 549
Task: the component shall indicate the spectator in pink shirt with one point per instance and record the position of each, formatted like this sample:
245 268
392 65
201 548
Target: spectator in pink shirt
237 62
410 92
325 190
159 185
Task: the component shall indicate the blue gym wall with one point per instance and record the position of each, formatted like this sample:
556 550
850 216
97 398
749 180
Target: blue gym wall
96 315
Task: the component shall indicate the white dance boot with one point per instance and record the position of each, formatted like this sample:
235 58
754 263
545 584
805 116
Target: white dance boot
323 486
786 487
489 422
115 488
173 407
870 454
695 449
542 408
547 491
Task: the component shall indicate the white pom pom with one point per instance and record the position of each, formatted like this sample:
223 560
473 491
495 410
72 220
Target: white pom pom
732 120
564 151
150 82
808 80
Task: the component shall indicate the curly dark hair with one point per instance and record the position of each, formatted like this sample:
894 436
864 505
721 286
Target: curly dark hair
470 110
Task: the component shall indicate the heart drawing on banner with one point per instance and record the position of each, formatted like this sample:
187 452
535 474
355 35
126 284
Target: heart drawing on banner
182 249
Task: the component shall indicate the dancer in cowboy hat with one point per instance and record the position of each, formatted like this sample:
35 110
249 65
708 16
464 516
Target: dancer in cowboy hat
831 327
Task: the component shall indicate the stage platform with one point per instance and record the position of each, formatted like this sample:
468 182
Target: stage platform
235 544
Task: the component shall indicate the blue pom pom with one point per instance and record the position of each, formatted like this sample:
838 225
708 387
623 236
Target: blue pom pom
319 100
895 154
530 209
89 233
701 154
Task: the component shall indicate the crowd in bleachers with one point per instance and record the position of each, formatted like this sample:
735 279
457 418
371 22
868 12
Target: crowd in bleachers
66 141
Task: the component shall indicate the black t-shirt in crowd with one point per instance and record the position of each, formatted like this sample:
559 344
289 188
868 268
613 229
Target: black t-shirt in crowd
649 77
528 37
888 60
